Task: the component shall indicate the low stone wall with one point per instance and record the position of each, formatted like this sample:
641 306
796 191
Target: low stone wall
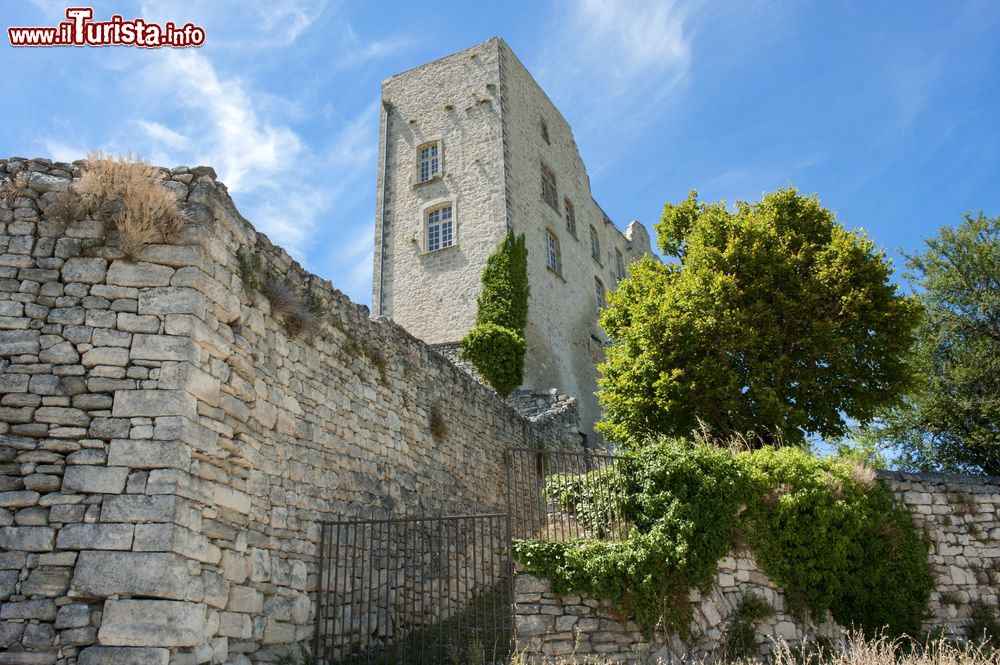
169 447
959 514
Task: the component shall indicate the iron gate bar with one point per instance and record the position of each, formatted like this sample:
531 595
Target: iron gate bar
410 589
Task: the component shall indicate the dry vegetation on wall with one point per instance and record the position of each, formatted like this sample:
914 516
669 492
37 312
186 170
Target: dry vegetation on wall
128 192
852 650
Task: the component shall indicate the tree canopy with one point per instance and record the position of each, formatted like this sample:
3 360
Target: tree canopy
951 420
771 319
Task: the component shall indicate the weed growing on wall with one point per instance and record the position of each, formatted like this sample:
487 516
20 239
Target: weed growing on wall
833 543
496 344
129 193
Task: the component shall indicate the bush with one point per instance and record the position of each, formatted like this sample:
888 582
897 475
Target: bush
130 194
827 534
498 354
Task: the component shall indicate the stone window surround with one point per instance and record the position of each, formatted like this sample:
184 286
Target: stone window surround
570 216
595 246
552 245
427 209
619 264
437 175
549 176
600 294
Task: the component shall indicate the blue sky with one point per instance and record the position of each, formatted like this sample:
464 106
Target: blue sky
890 111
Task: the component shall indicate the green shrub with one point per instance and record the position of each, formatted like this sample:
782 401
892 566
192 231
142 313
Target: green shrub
740 638
829 536
496 344
504 298
498 354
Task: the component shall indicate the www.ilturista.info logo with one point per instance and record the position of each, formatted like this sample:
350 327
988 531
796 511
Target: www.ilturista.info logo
80 30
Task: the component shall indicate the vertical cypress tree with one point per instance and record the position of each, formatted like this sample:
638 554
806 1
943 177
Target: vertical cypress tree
496 344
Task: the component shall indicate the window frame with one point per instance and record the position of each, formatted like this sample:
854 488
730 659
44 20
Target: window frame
570 216
595 245
450 223
620 264
600 294
553 253
438 146
550 184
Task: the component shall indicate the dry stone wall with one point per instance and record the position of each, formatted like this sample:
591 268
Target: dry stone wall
169 447
959 514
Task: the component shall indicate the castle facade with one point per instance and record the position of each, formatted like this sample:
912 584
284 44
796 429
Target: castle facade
471 147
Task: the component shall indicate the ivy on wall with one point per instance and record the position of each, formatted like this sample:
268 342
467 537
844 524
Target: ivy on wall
496 344
825 531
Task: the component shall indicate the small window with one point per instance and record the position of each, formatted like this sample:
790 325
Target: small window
595 245
620 264
549 187
570 217
545 132
552 255
440 230
599 294
429 156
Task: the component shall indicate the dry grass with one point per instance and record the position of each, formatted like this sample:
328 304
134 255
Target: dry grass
128 192
66 207
283 298
15 184
437 424
853 650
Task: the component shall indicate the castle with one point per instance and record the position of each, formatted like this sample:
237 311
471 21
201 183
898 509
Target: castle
470 147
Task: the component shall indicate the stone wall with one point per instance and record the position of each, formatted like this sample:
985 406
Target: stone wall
169 447
959 514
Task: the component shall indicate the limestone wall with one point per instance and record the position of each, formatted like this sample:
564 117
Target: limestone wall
959 514
168 447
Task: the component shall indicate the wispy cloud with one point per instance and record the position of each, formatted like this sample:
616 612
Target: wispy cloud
616 59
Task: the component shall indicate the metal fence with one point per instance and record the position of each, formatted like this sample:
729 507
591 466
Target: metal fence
562 495
415 590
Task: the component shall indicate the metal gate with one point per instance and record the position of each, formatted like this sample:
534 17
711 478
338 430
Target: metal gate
415 590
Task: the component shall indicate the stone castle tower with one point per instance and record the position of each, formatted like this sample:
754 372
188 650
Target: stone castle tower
471 146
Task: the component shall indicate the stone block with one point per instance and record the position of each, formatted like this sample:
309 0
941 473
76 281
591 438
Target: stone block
19 342
58 415
142 508
40 610
18 499
533 624
149 454
47 581
113 356
173 538
138 274
245 599
172 300
27 657
95 537
232 499
237 626
160 623
135 323
153 403
75 615
86 270
179 428
164 347
95 479
123 656
27 538
103 574
278 632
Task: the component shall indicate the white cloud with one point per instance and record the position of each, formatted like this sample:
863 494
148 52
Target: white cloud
164 134
246 151
615 59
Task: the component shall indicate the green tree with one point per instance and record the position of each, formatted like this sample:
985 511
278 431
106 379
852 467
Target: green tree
951 421
772 320
495 345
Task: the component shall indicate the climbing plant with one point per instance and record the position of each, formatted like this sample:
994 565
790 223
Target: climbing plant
496 344
830 535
